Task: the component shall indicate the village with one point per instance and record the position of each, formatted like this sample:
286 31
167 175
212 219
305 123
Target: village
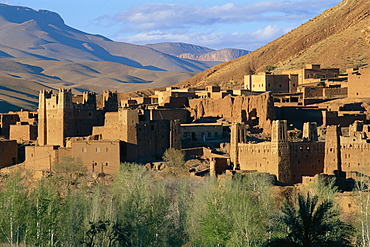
294 125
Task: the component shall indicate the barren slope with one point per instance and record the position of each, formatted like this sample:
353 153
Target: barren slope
339 37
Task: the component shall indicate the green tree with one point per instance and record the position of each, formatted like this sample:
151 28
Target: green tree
233 212
45 203
307 221
69 170
174 157
14 210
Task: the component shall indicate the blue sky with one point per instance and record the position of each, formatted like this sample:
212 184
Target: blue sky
216 24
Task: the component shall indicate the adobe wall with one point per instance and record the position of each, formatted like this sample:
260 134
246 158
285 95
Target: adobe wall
306 159
258 110
358 83
7 119
355 157
313 92
41 158
170 114
201 131
101 156
153 138
23 132
277 83
332 93
8 153
257 157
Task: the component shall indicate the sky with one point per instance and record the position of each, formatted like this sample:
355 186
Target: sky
214 24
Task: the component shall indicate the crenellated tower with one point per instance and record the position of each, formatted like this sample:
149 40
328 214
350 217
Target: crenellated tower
42 123
238 135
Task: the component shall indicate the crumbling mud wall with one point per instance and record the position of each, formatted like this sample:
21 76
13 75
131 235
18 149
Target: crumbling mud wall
255 110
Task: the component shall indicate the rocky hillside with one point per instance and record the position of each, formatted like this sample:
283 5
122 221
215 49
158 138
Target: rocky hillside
339 37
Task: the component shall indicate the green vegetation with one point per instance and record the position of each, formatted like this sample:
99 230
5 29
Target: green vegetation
269 68
174 157
137 209
307 221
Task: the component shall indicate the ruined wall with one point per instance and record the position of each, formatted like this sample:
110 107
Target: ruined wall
257 111
332 93
313 92
257 157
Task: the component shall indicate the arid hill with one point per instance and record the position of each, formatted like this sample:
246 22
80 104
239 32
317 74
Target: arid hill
339 37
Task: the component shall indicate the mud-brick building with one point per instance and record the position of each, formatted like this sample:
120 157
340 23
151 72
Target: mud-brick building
8 153
358 82
142 138
348 152
289 161
202 131
313 73
12 118
62 115
101 156
276 83
22 131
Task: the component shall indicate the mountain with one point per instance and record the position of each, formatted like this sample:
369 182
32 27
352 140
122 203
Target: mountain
38 50
198 53
176 49
26 33
339 37
223 55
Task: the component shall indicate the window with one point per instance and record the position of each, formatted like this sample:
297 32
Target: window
107 150
97 150
83 150
106 163
209 134
185 134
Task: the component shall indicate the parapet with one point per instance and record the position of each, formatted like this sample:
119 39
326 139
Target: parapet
65 90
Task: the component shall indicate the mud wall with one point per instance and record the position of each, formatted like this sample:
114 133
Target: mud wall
256 110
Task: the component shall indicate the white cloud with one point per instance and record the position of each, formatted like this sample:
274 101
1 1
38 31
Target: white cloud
164 16
217 40
246 26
